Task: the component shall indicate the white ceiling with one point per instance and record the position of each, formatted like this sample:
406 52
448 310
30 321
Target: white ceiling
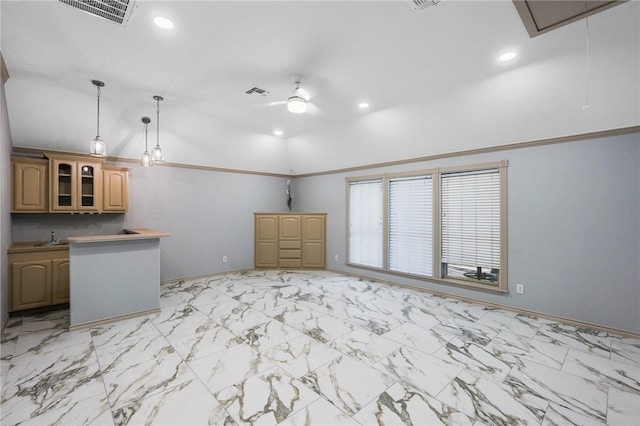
431 78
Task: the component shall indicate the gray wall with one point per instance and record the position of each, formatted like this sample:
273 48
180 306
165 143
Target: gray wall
574 228
574 224
209 214
5 204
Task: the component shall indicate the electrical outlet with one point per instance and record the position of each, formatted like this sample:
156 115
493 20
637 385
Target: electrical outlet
224 259
520 288
335 257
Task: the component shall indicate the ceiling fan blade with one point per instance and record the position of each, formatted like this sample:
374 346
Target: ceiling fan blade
313 109
269 104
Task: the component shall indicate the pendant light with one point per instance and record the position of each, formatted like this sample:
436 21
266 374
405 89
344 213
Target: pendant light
98 147
296 103
146 157
156 155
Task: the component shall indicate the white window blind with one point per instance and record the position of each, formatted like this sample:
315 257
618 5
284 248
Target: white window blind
365 222
470 219
411 225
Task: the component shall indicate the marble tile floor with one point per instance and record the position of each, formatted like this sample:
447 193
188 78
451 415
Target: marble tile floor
315 348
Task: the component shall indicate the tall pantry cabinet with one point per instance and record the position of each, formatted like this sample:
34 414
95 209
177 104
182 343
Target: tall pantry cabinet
290 240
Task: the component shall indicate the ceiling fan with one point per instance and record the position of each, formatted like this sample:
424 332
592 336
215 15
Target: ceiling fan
298 102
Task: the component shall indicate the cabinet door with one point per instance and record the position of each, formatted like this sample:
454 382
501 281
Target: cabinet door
289 228
30 186
89 186
63 185
266 243
313 241
266 254
59 281
30 284
115 193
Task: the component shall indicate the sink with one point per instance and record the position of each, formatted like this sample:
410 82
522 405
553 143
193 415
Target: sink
52 243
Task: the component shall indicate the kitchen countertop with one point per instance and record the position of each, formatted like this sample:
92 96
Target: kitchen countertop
31 246
127 234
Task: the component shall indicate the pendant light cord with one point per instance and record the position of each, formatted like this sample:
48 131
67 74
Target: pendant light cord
158 123
98 120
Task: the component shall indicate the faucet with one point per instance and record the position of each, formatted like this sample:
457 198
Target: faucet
53 238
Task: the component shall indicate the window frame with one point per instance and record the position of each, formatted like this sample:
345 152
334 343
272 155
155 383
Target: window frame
436 176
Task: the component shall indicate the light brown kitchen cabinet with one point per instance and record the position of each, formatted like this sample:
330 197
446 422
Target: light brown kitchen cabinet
68 184
30 185
30 284
59 281
76 184
115 189
38 276
290 240
313 241
266 241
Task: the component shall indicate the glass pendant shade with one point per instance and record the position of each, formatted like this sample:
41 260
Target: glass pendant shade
145 161
98 147
157 155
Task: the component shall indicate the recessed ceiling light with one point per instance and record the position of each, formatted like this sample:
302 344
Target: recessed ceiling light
277 132
363 105
507 56
163 22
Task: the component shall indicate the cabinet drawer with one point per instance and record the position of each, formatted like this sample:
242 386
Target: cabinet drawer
290 254
290 263
290 244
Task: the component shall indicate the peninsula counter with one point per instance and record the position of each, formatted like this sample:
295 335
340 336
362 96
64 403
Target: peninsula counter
114 276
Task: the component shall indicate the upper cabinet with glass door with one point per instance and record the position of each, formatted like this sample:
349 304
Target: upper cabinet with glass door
76 184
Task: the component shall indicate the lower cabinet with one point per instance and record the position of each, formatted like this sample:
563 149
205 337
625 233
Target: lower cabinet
38 278
60 281
313 241
290 240
30 284
266 241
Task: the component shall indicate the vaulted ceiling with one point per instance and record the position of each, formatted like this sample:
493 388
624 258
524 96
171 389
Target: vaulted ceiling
431 78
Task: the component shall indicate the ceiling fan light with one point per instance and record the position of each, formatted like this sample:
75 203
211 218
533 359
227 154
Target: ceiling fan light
296 104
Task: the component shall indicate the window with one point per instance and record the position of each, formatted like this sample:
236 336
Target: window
447 225
365 222
411 225
470 225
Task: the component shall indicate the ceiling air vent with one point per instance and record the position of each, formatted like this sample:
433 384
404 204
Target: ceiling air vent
257 90
420 5
117 11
